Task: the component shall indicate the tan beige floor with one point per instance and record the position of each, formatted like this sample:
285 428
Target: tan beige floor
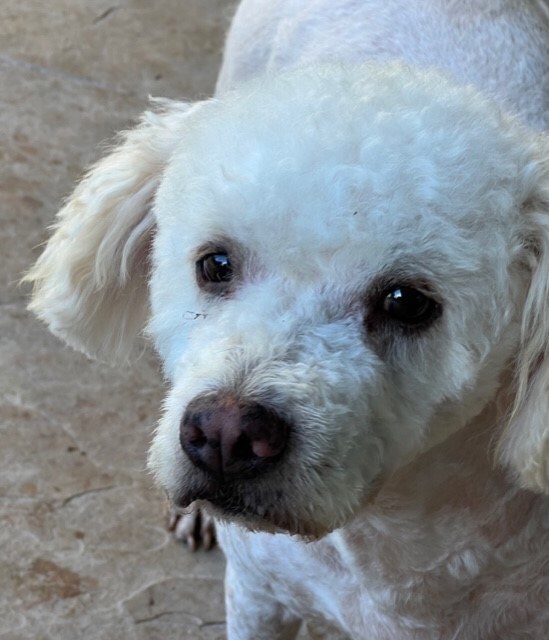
83 548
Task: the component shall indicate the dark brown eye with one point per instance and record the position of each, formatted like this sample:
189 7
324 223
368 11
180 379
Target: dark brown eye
214 268
409 306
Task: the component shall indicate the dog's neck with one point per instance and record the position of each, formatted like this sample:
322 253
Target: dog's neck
459 480
440 530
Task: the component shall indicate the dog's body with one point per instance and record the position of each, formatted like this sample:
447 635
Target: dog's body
499 46
349 292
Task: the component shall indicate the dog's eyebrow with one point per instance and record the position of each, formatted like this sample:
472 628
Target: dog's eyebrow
213 246
403 277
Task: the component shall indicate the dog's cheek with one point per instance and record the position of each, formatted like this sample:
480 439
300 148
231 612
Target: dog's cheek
176 312
449 380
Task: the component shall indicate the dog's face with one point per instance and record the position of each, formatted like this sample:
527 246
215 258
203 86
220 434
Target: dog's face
334 288
340 265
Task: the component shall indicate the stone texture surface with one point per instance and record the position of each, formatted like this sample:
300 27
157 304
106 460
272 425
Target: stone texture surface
84 551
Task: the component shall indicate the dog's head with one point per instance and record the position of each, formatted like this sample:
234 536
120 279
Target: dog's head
343 264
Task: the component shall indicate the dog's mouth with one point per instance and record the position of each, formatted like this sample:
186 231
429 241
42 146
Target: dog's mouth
251 510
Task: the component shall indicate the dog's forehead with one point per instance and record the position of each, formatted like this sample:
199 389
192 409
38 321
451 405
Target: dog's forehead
383 162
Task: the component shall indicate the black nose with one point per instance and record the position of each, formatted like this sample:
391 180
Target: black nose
230 438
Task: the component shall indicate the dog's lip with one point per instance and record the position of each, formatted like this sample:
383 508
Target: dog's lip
228 503
251 517
233 502
215 493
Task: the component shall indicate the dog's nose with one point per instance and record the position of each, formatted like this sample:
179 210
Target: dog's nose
230 438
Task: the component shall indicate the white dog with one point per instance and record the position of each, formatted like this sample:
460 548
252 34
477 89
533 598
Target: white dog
345 266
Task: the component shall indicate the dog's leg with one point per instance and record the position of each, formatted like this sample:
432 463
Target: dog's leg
252 611
195 527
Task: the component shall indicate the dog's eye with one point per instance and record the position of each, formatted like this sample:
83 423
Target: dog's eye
214 269
409 306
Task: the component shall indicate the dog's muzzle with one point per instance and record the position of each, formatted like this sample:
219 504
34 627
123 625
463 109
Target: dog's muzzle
231 439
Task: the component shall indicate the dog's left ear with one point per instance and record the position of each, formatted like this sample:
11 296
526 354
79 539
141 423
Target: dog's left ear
524 445
90 283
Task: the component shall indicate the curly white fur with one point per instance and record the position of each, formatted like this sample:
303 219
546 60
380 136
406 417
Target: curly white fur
414 476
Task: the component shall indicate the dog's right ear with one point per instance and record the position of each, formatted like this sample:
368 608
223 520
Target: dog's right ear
90 283
524 444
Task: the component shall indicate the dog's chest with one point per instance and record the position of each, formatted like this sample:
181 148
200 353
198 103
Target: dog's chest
332 580
428 579
311 580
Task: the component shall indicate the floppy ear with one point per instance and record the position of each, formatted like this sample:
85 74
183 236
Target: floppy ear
90 283
525 442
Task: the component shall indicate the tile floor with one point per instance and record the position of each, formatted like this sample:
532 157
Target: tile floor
84 552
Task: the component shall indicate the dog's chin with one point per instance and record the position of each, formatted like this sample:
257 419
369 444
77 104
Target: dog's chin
261 509
229 506
275 522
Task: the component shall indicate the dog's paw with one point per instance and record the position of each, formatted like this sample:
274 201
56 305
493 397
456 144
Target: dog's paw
194 527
